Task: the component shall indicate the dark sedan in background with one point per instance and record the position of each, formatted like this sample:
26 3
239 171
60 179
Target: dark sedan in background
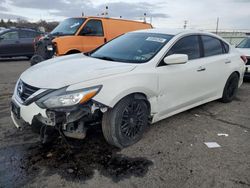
16 42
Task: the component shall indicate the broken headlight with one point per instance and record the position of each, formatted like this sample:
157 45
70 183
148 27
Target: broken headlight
62 98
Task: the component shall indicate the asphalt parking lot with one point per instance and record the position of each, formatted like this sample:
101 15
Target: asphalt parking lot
171 154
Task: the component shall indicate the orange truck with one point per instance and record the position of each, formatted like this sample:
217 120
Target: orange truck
82 34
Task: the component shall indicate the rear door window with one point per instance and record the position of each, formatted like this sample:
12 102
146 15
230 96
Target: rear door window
188 45
244 44
27 34
93 28
212 46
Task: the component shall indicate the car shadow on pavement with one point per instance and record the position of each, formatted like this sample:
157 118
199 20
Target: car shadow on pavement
75 162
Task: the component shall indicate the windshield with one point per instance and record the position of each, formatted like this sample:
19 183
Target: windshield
132 47
244 44
3 31
68 26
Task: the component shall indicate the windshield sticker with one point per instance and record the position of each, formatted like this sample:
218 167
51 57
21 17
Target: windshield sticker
74 25
156 39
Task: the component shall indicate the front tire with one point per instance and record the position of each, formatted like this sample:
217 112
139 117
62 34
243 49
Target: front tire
231 88
125 124
36 59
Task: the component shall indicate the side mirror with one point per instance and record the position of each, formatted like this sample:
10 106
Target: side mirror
176 59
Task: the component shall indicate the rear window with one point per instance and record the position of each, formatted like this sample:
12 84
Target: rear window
27 34
212 46
244 44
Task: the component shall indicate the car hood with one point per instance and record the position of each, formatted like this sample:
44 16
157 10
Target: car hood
244 51
67 70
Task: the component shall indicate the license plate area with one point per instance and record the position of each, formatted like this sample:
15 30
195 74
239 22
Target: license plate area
15 109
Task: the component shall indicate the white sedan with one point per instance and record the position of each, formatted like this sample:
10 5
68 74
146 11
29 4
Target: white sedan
138 78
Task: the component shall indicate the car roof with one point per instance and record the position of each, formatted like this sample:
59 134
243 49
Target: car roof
170 31
111 18
19 28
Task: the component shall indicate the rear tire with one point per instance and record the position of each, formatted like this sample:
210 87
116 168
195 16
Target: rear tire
125 124
231 88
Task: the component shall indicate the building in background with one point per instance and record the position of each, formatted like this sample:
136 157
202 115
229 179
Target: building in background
234 37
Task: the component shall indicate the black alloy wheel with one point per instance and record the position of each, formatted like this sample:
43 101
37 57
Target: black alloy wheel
125 124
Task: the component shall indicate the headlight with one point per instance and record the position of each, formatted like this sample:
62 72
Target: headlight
50 48
62 98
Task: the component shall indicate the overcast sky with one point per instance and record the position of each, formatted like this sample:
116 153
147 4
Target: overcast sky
200 14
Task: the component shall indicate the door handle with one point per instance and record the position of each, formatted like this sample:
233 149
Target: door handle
228 61
201 69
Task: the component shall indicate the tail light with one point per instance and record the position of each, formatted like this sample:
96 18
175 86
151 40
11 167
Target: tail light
244 59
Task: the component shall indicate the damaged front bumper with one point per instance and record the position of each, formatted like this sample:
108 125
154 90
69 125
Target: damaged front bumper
22 115
70 121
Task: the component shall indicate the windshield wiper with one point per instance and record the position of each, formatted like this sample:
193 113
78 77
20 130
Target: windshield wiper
57 33
105 58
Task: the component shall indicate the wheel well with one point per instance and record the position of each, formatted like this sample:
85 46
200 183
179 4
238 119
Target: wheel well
72 52
236 73
141 96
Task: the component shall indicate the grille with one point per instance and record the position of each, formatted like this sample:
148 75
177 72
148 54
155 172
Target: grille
24 90
248 61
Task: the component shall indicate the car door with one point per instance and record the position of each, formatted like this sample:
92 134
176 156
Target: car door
26 42
92 35
9 44
216 61
182 85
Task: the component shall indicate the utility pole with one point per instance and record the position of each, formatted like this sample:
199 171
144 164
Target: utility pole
217 25
185 24
145 17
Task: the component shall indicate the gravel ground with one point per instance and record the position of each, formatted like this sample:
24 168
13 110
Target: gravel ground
171 154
